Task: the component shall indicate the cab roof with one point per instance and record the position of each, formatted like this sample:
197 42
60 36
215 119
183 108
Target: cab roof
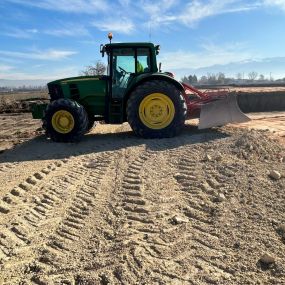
139 44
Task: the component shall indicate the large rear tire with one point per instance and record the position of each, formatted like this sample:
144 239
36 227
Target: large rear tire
156 109
65 120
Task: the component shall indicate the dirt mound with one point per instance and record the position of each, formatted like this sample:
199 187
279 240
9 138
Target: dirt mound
16 128
115 209
21 106
257 145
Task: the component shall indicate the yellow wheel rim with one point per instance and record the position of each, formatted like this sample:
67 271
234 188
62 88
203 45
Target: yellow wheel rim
156 111
62 122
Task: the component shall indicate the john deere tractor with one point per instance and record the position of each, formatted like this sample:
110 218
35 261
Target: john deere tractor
133 91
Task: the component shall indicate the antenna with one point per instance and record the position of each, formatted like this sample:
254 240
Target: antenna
149 31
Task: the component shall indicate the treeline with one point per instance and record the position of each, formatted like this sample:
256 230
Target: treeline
221 79
23 88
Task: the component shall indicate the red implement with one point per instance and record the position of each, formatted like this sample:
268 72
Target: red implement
214 108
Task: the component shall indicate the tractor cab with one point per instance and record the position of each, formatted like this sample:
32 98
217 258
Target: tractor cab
128 63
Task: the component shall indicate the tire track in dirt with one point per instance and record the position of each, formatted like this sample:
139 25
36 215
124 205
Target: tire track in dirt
104 234
104 237
155 250
151 253
118 263
148 255
6 167
38 205
200 186
72 225
140 223
26 206
139 252
29 185
68 234
35 208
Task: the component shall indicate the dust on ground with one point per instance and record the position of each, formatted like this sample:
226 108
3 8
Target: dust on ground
200 208
247 89
257 89
16 128
272 121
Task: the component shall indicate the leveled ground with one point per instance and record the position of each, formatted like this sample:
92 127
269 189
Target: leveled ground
200 208
115 209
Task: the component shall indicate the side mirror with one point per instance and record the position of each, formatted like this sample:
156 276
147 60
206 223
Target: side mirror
159 67
157 49
102 50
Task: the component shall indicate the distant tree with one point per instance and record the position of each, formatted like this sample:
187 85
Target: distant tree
191 79
98 68
204 79
211 77
239 76
221 78
252 75
261 77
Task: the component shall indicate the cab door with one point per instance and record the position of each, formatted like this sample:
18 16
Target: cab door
122 67
125 63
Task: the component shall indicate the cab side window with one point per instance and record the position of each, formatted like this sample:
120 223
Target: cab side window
143 60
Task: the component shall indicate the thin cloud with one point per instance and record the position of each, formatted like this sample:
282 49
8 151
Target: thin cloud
5 68
49 75
20 33
74 6
209 55
275 3
125 3
195 11
50 54
154 9
68 30
122 25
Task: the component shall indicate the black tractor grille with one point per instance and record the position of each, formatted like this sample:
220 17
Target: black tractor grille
55 91
74 92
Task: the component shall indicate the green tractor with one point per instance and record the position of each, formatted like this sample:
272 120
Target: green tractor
134 91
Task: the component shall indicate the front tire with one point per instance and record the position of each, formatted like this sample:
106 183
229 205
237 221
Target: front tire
65 120
90 125
156 109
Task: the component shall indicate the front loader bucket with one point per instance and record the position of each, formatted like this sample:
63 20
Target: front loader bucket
221 112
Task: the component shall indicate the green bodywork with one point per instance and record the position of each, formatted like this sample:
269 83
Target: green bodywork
90 91
38 110
101 99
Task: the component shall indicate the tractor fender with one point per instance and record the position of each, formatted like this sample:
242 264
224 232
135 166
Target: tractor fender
149 77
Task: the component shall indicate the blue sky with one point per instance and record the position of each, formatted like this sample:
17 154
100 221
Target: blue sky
48 39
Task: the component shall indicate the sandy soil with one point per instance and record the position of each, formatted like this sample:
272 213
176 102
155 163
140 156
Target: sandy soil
200 208
273 121
257 89
17 128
